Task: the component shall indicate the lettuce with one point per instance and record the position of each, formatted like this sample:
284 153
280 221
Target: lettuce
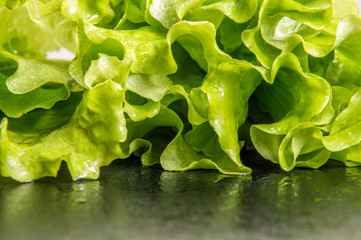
183 84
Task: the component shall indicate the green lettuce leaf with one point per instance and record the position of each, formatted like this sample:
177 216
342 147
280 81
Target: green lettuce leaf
305 99
183 84
13 4
228 89
27 84
76 142
47 15
303 147
89 11
18 31
346 122
345 70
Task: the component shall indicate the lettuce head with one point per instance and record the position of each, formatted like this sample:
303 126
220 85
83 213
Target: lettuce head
183 84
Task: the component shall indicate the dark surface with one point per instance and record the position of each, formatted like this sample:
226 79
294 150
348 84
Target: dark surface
133 202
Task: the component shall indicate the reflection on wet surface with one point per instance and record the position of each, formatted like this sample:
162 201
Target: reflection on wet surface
132 202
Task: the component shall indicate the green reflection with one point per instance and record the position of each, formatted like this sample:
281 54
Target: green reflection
133 202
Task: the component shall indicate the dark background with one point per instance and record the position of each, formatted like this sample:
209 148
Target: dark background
134 202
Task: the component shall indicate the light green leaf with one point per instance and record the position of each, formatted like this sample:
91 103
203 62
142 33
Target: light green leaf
107 68
18 31
345 69
88 141
302 147
27 84
88 10
307 98
47 15
345 131
228 89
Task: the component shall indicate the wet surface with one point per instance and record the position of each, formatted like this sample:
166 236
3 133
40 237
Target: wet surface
133 202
